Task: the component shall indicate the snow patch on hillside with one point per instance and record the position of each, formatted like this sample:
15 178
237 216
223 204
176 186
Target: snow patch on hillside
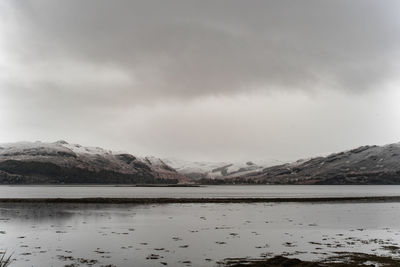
63 153
213 170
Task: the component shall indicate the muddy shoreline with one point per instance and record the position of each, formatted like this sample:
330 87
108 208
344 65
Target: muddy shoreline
345 259
202 200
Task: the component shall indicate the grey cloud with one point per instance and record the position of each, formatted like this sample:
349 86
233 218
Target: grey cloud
195 48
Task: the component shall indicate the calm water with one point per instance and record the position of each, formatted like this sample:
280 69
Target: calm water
191 234
232 191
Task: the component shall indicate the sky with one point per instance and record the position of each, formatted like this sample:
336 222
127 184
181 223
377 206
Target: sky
220 80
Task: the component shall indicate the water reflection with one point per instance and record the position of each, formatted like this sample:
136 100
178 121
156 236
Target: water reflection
191 234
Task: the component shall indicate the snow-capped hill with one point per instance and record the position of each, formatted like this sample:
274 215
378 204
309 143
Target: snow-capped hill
29 149
362 165
163 168
193 167
218 170
76 162
84 150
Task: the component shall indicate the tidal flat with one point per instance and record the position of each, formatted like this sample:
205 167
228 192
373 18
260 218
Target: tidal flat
194 234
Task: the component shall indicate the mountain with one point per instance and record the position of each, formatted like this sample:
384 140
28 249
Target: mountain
363 165
218 170
64 163
61 162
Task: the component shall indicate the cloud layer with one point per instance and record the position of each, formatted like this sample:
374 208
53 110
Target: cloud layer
89 63
188 48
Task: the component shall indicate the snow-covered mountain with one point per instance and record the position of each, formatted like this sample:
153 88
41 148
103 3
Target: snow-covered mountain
362 165
61 162
218 170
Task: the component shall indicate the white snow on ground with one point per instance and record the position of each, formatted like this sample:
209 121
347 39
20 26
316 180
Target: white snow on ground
220 169
59 146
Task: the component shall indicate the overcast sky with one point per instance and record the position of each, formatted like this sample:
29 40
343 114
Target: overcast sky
202 80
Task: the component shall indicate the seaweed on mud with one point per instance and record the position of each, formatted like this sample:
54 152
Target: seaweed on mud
341 259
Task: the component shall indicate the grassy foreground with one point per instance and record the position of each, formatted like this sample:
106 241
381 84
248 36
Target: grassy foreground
5 260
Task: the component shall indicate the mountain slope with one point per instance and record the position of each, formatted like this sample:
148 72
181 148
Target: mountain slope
218 170
61 162
363 165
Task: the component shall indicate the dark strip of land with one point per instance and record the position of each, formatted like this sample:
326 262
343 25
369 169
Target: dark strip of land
199 200
344 259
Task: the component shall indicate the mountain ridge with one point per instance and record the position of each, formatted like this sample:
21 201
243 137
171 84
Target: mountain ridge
61 162
362 165
64 163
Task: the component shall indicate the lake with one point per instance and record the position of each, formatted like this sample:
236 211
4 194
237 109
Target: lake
205 234
219 191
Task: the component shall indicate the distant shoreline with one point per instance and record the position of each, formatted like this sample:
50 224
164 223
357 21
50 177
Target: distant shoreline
105 185
102 200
